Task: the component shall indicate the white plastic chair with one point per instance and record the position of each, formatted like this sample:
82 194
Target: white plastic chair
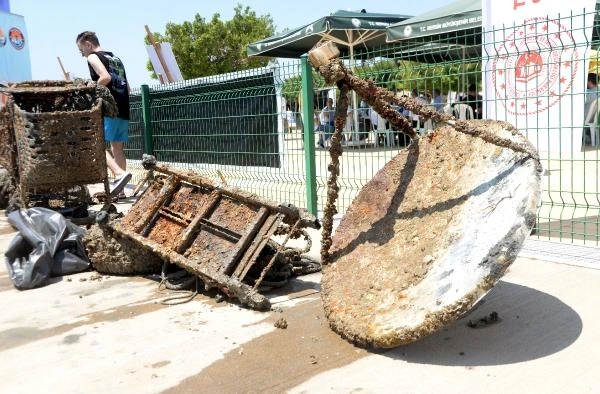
591 122
423 126
463 111
381 129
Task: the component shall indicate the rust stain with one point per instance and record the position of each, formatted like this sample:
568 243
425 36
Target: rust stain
307 346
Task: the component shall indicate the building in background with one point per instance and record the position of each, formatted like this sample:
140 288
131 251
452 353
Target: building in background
15 63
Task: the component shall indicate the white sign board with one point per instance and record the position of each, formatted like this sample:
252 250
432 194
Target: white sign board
536 70
170 62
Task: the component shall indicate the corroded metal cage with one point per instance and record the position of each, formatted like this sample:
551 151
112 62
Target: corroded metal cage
7 145
52 136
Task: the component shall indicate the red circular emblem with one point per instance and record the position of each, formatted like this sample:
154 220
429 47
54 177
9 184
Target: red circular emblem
16 38
535 66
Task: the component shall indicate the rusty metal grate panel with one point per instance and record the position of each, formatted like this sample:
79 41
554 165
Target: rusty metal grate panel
213 232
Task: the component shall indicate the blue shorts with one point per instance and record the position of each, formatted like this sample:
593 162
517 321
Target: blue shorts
116 129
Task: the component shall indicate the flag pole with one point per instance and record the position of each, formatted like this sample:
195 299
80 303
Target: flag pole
168 76
66 74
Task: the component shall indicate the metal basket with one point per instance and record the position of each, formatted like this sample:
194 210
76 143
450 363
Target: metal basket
7 145
57 127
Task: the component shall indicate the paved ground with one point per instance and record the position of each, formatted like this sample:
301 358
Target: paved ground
90 334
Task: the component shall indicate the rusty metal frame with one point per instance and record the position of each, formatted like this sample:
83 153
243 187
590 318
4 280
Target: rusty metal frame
216 233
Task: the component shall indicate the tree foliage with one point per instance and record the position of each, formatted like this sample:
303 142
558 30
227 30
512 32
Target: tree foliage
208 48
292 86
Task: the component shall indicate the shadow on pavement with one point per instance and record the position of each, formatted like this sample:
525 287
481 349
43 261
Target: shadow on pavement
532 324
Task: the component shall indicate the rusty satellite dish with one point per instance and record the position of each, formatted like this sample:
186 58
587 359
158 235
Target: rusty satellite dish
435 228
429 235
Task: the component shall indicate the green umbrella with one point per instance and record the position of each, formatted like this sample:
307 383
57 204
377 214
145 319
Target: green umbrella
349 30
446 33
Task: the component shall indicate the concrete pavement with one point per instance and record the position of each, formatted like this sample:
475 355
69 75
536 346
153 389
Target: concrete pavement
87 333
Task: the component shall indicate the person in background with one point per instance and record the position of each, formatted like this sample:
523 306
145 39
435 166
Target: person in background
316 120
591 92
364 119
290 119
328 113
363 110
327 119
438 100
415 117
374 117
474 100
429 99
107 69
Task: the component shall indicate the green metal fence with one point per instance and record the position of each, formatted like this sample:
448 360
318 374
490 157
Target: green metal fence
226 127
255 129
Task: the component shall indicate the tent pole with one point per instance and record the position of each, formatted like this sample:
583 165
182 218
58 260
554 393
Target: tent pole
309 135
463 68
168 77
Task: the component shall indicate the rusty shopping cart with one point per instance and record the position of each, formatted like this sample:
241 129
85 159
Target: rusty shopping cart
52 142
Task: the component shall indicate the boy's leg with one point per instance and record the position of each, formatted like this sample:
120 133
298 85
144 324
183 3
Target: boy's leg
118 152
116 131
112 165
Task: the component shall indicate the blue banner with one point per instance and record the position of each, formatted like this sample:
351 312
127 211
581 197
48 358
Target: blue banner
15 64
4 5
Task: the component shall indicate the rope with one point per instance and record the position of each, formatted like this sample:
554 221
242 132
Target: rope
190 295
186 282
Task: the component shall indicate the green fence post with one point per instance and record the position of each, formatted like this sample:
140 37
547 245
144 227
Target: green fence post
309 135
147 119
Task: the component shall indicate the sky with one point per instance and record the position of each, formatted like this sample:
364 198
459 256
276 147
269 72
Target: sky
52 26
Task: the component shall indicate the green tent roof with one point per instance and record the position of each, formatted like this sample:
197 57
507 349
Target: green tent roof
451 32
459 15
459 22
346 28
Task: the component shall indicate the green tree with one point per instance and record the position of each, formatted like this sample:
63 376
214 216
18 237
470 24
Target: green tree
216 47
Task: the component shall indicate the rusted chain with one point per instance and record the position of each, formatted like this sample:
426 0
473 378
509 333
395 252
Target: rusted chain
274 258
334 72
380 98
376 97
335 151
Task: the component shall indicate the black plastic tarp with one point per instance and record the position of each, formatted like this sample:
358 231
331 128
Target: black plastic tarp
46 245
